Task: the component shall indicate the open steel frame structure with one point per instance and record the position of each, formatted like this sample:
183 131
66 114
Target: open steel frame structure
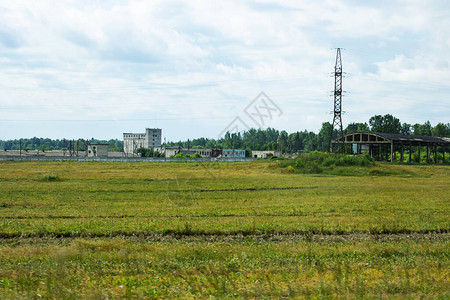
378 144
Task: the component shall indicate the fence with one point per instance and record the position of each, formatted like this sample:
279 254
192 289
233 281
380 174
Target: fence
122 159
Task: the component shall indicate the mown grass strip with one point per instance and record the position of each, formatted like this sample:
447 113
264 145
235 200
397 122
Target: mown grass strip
250 230
248 268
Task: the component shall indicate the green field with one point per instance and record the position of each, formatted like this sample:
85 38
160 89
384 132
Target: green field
223 229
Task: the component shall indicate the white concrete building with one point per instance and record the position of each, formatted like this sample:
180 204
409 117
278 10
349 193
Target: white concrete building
265 154
150 139
97 150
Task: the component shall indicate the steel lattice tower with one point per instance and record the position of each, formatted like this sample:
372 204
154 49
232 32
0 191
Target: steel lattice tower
337 116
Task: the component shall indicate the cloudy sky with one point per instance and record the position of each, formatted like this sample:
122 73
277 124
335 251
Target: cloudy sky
82 69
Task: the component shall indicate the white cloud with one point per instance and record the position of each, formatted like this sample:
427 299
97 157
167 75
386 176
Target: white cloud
204 61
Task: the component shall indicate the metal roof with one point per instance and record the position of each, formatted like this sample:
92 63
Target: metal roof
385 138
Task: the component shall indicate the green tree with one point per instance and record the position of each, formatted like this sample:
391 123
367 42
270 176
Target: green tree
356 127
422 129
323 138
385 124
441 130
311 141
295 142
249 139
146 152
283 140
406 129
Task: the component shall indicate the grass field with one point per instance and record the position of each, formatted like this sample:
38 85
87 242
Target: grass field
243 229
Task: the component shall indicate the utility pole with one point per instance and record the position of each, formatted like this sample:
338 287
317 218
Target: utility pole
337 115
64 146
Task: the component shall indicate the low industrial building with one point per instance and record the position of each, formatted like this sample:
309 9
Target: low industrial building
265 154
225 153
41 153
172 151
97 150
233 153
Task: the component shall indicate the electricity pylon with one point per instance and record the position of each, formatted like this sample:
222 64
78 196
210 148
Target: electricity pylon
337 116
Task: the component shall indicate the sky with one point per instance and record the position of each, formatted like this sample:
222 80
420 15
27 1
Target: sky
97 69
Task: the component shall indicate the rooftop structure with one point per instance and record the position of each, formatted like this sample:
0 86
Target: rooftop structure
378 143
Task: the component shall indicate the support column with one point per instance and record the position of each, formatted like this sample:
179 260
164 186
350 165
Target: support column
379 151
387 152
392 151
419 153
443 154
395 154
428 153
401 153
410 152
435 153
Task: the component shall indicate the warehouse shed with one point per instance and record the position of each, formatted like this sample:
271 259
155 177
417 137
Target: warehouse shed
377 144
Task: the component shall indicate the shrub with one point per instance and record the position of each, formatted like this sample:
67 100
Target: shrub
182 155
52 177
317 162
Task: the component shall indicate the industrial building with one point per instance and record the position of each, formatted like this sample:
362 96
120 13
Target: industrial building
265 154
227 153
388 144
172 151
40 153
97 150
150 139
233 153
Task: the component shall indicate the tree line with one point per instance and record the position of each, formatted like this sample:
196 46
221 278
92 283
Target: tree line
307 141
46 144
256 139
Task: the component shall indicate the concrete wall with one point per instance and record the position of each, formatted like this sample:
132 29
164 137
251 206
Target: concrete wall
233 153
97 150
175 150
171 151
265 154
123 159
47 153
